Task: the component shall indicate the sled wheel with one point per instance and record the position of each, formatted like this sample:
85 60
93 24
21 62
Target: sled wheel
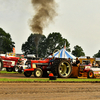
61 68
27 73
16 68
38 72
9 69
90 74
1 64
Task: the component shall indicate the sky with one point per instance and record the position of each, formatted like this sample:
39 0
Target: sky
78 21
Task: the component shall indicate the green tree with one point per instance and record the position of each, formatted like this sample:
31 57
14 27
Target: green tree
46 45
97 54
6 43
78 51
56 41
29 47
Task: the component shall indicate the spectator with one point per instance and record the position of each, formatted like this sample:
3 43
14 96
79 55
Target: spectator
97 65
69 59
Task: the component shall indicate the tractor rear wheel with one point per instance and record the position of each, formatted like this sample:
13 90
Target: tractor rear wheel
90 74
27 73
38 72
1 64
61 68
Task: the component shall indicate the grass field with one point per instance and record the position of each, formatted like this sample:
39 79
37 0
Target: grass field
5 72
46 79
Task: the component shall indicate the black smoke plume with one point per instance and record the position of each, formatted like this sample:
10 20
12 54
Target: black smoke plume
45 11
44 14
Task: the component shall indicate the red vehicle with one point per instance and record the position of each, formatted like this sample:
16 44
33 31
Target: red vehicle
8 62
86 71
59 67
90 70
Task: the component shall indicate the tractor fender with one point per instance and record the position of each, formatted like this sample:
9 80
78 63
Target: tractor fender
31 69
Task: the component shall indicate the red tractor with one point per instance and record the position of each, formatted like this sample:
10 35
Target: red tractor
60 67
12 63
8 62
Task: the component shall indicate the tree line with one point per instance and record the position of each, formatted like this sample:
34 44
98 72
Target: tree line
45 45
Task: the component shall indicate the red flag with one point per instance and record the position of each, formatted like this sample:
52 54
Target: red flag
13 50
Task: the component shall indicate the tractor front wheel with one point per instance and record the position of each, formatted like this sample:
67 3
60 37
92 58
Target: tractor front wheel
38 72
16 68
27 73
90 74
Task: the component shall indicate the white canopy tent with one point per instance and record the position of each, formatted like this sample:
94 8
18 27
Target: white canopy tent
63 54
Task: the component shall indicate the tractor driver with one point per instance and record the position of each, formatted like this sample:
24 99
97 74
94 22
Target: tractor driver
52 59
77 63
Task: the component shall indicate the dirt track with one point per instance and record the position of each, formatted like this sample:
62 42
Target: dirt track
48 91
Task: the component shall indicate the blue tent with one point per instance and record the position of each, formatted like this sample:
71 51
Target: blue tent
63 54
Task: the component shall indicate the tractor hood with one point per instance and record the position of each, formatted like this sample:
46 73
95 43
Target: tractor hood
40 61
